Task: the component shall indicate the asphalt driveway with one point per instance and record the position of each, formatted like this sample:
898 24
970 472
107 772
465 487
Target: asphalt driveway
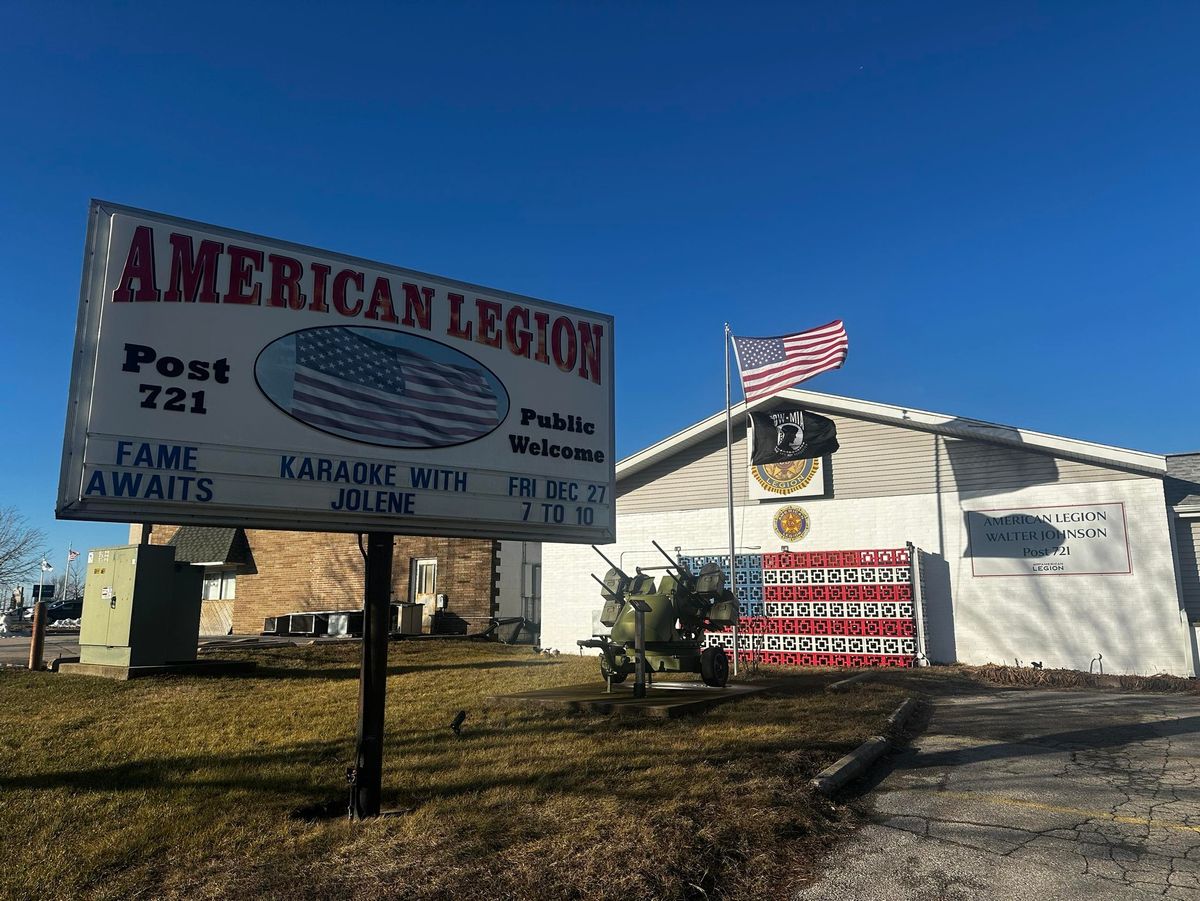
1034 795
14 649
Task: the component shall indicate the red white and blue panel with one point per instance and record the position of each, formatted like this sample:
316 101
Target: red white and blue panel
822 608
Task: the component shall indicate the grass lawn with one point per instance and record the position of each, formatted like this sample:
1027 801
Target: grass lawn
205 787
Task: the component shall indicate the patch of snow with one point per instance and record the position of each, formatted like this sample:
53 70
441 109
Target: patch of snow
13 624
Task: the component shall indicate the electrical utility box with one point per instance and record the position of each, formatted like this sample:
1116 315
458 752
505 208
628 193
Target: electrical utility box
140 607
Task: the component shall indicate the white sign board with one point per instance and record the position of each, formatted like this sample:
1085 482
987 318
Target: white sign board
1071 539
223 378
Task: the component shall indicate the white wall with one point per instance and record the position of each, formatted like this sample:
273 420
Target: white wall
1136 621
511 598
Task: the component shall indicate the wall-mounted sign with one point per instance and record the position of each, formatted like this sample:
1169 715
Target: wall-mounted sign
778 481
792 523
224 378
1069 539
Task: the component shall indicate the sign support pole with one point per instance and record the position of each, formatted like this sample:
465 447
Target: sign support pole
366 777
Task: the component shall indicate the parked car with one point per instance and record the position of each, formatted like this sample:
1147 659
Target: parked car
60 610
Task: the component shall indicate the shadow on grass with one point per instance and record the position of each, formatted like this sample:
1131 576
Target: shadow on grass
352 672
938 682
615 766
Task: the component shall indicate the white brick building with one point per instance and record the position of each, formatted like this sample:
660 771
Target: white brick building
1119 578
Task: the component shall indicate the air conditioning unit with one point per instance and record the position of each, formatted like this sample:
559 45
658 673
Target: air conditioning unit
345 623
406 618
302 624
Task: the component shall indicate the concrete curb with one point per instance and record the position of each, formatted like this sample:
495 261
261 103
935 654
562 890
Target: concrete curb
831 779
901 715
846 683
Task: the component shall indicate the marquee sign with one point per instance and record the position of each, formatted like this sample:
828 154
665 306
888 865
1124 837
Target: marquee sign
225 378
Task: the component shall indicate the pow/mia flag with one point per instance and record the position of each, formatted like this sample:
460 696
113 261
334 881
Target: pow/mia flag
791 434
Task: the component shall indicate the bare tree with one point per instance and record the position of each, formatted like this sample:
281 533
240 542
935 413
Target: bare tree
21 547
68 587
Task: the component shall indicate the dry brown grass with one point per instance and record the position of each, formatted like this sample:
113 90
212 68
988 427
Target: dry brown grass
199 788
1069 678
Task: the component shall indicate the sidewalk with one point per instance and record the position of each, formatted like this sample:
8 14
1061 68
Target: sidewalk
14 649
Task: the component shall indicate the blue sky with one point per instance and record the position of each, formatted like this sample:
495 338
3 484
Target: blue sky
1000 200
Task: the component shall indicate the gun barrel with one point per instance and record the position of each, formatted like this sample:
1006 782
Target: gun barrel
682 572
599 581
609 562
670 559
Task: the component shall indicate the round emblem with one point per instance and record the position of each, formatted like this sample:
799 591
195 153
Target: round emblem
784 478
792 523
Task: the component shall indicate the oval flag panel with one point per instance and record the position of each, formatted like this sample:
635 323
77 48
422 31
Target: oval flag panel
381 387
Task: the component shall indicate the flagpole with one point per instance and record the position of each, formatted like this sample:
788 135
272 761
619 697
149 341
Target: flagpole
67 572
729 468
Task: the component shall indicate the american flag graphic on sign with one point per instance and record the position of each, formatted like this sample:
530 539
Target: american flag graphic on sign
360 388
768 365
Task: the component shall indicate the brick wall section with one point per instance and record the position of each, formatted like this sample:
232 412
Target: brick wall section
464 574
299 571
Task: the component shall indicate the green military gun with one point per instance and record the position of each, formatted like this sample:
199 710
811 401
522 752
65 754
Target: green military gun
672 619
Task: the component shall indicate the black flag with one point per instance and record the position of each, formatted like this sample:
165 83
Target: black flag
791 434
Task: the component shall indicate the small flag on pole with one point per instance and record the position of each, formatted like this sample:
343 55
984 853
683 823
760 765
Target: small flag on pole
71 555
768 365
46 567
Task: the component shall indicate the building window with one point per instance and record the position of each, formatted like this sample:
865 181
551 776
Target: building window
220 585
424 579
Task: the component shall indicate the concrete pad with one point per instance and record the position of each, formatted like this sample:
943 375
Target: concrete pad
1024 795
663 699
190 668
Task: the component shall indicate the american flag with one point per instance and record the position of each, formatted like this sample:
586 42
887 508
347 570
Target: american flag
379 393
768 365
71 555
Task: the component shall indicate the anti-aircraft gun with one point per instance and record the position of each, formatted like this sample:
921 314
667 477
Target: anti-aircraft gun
673 618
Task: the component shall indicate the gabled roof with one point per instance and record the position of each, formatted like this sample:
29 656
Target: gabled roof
213 546
905 417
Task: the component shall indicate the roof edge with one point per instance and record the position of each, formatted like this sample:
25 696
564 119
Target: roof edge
941 423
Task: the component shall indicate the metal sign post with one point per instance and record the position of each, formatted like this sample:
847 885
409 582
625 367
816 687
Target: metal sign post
366 777
640 609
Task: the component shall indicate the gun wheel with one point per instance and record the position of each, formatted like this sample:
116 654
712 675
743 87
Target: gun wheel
714 667
606 671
